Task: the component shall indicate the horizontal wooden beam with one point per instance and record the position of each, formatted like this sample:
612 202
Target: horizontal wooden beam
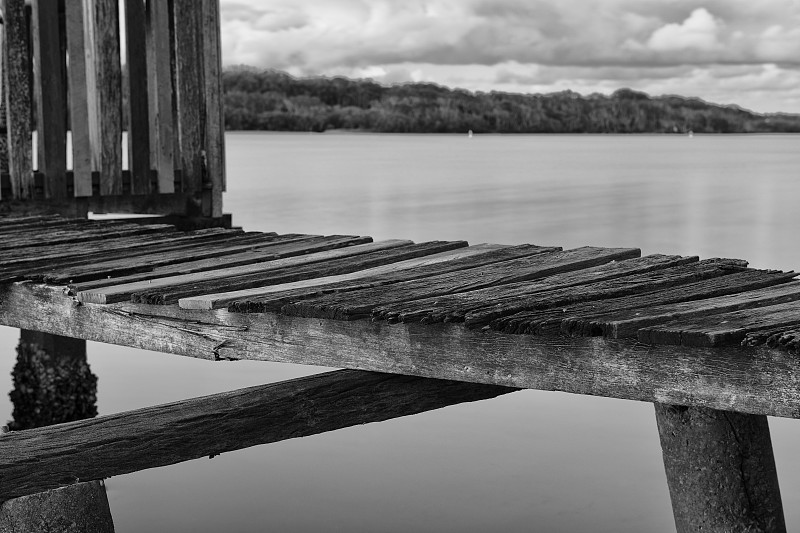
749 380
41 459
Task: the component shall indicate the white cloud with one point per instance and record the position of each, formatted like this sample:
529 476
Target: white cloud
700 31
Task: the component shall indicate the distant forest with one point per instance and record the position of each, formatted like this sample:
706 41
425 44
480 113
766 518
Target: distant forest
275 101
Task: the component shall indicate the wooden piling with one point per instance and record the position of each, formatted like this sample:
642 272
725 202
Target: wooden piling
720 470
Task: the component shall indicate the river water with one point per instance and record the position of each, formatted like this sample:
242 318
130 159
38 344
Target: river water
528 461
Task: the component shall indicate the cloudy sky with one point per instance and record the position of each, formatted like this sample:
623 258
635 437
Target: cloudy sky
744 52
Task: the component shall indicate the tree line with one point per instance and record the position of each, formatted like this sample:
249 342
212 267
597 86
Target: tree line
275 101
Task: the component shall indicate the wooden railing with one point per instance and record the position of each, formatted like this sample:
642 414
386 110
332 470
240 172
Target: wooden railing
63 67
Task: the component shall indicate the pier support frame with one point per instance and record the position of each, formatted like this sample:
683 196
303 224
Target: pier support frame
53 384
720 470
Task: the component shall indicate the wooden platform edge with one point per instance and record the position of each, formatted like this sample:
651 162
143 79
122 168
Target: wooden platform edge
749 380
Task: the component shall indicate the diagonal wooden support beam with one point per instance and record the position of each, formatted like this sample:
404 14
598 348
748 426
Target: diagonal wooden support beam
41 459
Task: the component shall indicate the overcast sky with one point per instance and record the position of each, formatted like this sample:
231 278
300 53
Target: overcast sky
745 52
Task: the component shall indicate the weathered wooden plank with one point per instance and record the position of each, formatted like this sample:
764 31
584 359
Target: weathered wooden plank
41 459
454 307
139 147
268 250
613 288
189 91
159 77
78 99
106 95
345 265
123 292
723 329
85 236
360 304
720 378
781 338
587 318
381 275
625 323
49 71
17 76
214 113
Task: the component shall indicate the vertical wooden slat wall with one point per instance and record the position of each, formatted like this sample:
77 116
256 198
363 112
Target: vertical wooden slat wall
16 71
159 83
50 92
175 127
78 101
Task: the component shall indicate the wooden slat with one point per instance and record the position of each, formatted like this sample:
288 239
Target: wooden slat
85 236
159 78
723 329
585 317
105 95
49 70
45 458
267 250
625 286
408 269
78 99
139 145
346 265
360 304
725 379
123 292
623 319
16 73
214 113
190 95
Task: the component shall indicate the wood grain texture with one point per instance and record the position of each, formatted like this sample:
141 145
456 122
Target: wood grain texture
346 265
215 116
81 236
260 298
78 99
732 378
382 302
139 146
123 292
106 446
495 314
646 313
159 78
722 329
82 506
49 71
455 307
106 127
590 317
17 76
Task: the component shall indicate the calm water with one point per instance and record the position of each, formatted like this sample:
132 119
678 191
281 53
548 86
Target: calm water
526 461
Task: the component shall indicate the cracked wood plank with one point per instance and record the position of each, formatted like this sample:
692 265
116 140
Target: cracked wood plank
46 458
362 303
593 317
751 380
259 298
345 265
724 329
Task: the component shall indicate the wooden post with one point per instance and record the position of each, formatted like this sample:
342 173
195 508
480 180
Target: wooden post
18 105
105 93
51 126
214 182
720 470
78 103
52 385
159 78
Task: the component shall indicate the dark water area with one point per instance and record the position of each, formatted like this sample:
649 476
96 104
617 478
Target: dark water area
530 460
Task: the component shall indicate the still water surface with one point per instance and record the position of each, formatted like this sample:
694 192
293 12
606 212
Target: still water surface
529 461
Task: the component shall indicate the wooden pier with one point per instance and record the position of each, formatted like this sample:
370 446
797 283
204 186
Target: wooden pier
711 343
